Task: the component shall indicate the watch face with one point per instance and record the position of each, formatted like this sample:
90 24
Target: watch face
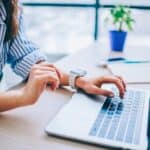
79 72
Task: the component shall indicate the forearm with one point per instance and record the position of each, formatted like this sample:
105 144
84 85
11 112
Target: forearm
10 100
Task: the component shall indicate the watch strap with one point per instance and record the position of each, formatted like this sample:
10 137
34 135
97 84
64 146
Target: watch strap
74 75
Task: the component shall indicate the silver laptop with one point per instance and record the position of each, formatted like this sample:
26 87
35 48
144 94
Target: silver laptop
111 122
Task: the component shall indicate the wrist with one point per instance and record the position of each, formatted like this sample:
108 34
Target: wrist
76 79
80 82
17 98
22 96
64 80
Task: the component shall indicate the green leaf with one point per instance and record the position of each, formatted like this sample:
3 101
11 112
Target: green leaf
122 15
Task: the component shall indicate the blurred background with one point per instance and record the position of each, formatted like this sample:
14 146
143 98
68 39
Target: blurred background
63 27
60 30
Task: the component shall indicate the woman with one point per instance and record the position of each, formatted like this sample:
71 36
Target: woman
27 61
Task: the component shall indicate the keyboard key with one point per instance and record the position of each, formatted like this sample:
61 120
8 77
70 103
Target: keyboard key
130 132
104 127
130 95
106 104
118 112
131 128
122 127
97 123
120 106
110 112
138 122
113 128
112 107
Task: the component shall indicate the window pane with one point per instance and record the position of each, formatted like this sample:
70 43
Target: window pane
60 30
66 30
62 1
127 2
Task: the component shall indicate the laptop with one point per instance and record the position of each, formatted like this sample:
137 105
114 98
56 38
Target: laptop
111 122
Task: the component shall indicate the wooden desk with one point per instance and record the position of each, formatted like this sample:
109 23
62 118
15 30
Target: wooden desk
23 128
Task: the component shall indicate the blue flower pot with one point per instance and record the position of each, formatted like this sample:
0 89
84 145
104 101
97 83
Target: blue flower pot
117 40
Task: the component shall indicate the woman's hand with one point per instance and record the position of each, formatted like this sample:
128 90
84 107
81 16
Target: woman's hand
93 86
41 75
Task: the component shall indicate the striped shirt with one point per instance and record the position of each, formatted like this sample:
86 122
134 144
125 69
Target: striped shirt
19 52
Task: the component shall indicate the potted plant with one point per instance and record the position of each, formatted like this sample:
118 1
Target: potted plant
123 22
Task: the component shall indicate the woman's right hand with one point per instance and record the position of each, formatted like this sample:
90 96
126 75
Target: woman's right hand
41 75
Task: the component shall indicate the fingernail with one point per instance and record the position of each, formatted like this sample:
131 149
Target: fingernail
111 95
122 96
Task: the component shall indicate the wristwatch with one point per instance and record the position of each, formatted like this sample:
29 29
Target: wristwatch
74 74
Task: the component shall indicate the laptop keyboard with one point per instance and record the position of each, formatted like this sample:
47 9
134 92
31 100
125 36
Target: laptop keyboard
120 119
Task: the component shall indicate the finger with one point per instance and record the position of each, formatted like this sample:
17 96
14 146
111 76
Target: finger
53 83
119 81
116 81
124 83
41 72
60 75
43 86
95 90
49 73
120 86
49 79
53 86
36 68
45 64
45 68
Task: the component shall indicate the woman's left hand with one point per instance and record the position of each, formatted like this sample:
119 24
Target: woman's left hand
93 86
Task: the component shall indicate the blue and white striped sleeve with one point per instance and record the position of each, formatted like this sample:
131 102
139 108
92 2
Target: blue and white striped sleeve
23 54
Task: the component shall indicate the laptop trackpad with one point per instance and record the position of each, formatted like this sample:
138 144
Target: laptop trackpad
77 117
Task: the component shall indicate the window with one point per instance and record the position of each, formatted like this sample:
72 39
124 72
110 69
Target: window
64 30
